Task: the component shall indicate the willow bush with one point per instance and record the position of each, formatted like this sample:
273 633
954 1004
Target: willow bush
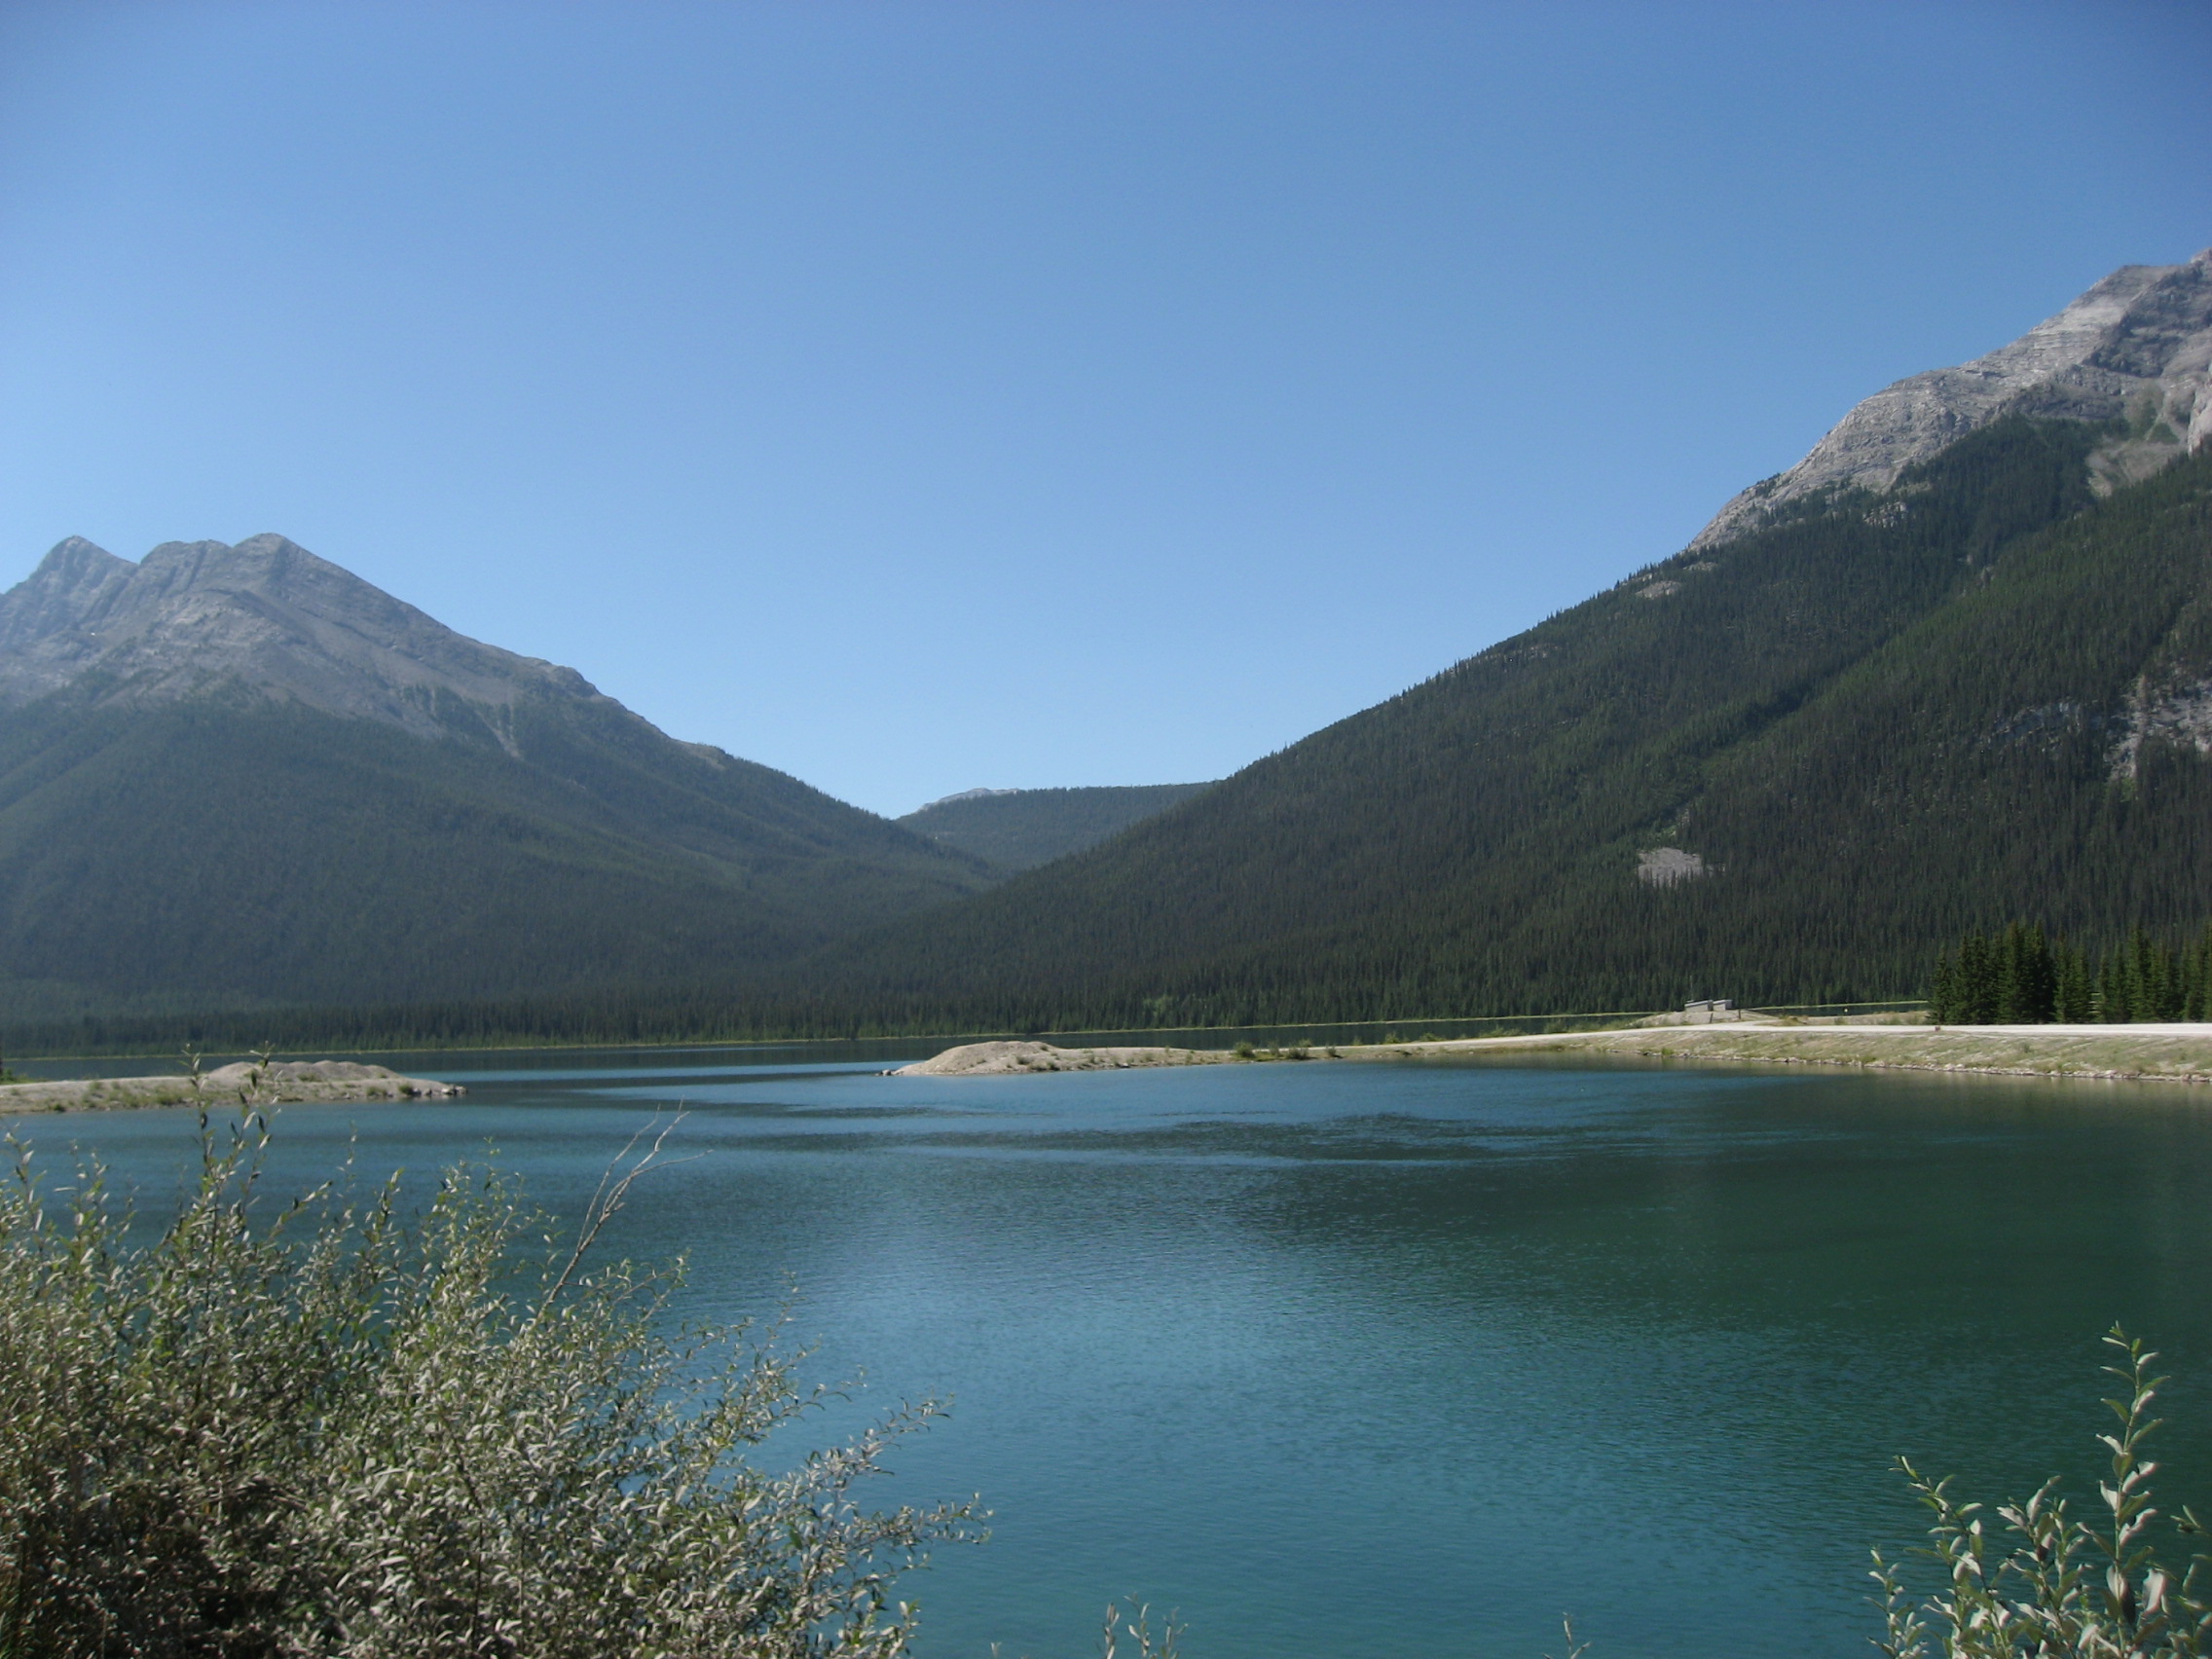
2042 1583
340 1428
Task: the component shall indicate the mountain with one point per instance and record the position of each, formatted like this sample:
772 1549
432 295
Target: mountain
1956 667
243 776
265 616
2135 347
1018 830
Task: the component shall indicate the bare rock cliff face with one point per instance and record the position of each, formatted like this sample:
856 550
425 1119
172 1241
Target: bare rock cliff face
2138 346
267 616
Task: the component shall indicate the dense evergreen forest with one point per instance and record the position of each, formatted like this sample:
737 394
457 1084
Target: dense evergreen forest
1018 829
1786 769
2024 977
232 852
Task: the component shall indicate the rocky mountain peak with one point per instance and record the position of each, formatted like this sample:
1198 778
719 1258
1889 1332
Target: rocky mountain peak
2137 347
71 583
266 616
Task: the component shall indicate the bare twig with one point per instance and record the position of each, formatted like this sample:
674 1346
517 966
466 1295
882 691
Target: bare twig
613 1189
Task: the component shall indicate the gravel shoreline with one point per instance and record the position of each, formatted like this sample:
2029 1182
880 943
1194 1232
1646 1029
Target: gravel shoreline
281 1083
2180 1054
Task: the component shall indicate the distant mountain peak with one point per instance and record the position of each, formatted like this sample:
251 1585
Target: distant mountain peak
244 775
265 614
73 582
2138 344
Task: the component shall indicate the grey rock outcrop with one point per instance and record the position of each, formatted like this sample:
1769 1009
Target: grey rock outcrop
1023 1059
1669 866
266 616
2138 346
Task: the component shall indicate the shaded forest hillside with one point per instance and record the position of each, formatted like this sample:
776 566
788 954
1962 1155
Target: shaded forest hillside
241 776
1787 767
1018 829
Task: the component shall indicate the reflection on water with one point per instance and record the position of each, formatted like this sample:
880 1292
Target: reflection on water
1391 1358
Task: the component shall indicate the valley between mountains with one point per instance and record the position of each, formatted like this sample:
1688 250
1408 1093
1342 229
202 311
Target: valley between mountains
1953 669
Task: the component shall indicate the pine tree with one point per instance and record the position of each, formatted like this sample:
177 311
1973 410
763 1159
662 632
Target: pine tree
2075 1002
2152 979
1978 980
2027 987
2166 1003
1944 991
2114 1002
2197 990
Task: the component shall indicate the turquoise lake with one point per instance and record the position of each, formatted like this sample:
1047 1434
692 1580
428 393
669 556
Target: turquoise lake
1391 1358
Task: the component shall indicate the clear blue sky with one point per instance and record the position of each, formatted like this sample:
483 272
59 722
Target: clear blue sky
919 396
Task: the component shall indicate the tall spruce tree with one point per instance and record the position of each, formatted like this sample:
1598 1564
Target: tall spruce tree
2151 977
2027 988
1944 990
2196 977
2115 1004
2077 995
1980 971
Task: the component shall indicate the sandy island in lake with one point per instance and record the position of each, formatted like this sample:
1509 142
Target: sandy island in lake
2181 1054
283 1083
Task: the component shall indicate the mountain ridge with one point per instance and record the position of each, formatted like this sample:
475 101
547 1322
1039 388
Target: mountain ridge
2139 342
265 613
243 775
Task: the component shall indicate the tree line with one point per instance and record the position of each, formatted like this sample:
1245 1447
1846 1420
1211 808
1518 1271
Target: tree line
2024 977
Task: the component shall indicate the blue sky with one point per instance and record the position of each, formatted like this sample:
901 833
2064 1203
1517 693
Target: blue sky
917 397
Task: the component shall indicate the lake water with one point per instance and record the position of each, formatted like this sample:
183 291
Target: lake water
1386 1359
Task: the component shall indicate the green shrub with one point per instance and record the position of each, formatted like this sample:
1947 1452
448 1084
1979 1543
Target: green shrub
336 1429
2046 1583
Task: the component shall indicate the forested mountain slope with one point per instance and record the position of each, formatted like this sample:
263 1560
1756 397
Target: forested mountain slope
1785 766
1018 829
241 775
